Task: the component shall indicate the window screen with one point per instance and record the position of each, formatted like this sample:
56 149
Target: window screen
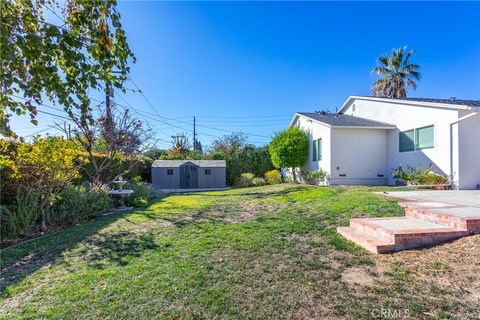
424 137
407 140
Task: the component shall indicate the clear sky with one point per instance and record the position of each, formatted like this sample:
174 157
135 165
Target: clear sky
248 66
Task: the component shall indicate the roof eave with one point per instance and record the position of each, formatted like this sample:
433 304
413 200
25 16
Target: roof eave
362 127
350 99
297 115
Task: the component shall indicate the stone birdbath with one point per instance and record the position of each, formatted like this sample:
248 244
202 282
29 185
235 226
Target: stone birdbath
119 193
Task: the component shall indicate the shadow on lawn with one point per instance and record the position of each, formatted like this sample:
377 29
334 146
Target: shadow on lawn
117 247
19 261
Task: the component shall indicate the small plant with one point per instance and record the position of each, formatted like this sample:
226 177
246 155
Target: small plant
141 190
140 202
419 176
257 181
314 177
246 179
273 177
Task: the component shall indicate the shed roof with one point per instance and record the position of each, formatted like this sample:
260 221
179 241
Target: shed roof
178 163
344 120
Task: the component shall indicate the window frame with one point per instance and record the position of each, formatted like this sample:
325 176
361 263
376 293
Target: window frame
169 172
433 138
415 139
317 150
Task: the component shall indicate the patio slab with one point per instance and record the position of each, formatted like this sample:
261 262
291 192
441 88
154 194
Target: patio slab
467 198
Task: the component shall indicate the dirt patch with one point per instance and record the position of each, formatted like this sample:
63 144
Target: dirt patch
358 276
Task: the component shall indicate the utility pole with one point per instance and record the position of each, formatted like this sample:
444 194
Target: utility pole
108 108
194 135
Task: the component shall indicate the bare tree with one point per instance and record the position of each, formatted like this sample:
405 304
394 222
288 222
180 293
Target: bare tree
109 137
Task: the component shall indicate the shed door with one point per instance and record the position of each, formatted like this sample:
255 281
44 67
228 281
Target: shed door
188 176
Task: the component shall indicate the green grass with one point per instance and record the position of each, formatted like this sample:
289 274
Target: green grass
260 253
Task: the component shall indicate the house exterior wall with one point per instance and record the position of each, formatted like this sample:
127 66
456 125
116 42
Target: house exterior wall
407 117
469 152
358 156
161 180
314 131
216 178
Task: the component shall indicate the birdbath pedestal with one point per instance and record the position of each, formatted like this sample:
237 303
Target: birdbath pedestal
120 193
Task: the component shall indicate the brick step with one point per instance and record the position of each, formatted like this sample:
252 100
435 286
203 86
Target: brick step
405 232
464 218
369 242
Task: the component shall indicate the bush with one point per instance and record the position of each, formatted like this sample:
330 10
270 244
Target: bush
141 191
314 177
76 204
289 149
21 217
258 181
419 176
273 177
140 202
246 179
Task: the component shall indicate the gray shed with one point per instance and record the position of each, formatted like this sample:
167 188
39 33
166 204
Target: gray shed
189 174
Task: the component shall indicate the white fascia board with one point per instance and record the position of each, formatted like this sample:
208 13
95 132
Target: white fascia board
360 127
336 127
350 99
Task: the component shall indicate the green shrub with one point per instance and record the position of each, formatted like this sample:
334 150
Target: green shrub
141 190
246 179
273 177
289 149
140 202
17 220
76 204
258 181
419 176
314 177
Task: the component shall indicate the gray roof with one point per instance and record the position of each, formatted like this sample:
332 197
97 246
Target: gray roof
470 103
344 120
200 163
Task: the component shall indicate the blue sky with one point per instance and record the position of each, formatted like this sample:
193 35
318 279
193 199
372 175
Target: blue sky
248 66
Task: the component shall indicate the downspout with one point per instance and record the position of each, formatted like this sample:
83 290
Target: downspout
451 142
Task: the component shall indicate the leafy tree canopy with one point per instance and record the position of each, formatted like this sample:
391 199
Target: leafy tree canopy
60 62
289 148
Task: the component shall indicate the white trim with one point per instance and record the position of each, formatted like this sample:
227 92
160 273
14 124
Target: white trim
297 115
459 106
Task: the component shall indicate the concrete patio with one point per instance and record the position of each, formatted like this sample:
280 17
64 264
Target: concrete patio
431 217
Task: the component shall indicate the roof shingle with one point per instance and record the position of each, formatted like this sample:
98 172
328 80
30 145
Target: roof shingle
462 102
200 163
344 120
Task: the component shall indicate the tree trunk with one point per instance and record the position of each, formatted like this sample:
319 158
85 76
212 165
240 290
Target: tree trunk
294 175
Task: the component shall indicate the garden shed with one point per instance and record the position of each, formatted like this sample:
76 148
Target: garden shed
189 174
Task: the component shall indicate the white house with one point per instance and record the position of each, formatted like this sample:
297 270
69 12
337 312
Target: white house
371 136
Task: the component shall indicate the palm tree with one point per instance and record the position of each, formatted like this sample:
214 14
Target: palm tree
397 74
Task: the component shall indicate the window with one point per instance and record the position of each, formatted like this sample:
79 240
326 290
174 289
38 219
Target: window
170 172
407 141
317 149
207 172
416 139
424 138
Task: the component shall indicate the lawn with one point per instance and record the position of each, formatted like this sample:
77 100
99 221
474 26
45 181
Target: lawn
261 253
